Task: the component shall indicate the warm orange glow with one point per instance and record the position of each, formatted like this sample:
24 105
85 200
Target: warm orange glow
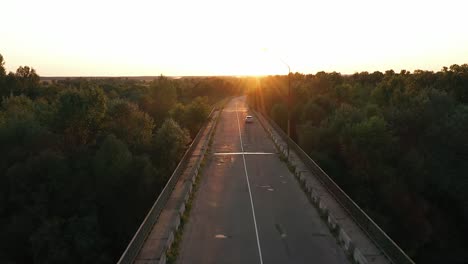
208 37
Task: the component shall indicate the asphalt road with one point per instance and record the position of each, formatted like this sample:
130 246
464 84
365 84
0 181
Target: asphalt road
248 207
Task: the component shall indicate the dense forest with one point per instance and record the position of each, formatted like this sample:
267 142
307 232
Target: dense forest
397 143
83 159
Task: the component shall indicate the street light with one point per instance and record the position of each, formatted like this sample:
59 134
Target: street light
288 102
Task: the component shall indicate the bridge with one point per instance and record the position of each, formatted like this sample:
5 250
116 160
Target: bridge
236 197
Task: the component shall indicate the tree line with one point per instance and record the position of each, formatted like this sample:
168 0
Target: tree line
397 143
83 159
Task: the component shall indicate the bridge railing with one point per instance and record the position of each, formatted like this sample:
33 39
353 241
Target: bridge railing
143 231
393 252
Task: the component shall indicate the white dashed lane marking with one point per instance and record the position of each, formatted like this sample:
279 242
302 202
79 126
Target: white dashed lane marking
250 192
243 153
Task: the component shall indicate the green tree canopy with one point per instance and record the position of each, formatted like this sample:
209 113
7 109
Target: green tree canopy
80 114
169 142
130 124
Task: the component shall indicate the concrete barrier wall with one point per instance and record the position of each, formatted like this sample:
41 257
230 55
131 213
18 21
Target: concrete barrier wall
389 248
151 218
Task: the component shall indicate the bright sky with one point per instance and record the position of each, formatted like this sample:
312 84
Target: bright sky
229 37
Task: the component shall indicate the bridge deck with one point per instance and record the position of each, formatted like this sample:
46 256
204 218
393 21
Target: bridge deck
250 208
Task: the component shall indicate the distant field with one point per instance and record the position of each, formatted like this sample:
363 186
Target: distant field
140 78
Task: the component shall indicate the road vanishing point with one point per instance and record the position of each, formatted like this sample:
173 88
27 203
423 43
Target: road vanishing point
248 207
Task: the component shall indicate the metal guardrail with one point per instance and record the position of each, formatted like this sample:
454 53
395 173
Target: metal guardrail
143 231
393 252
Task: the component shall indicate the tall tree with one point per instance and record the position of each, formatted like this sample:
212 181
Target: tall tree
2 67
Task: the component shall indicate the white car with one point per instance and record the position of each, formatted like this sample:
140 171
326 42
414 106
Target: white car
249 119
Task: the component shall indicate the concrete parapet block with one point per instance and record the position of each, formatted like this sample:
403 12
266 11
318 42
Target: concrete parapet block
293 167
162 260
302 178
169 241
186 197
182 209
315 197
358 257
331 220
177 222
293 163
193 178
323 207
308 187
345 240
297 174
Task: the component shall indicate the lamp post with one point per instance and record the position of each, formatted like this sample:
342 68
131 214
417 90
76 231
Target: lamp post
288 101
289 104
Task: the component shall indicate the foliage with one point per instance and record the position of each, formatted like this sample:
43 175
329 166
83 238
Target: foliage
82 160
192 114
395 142
130 124
279 113
171 140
